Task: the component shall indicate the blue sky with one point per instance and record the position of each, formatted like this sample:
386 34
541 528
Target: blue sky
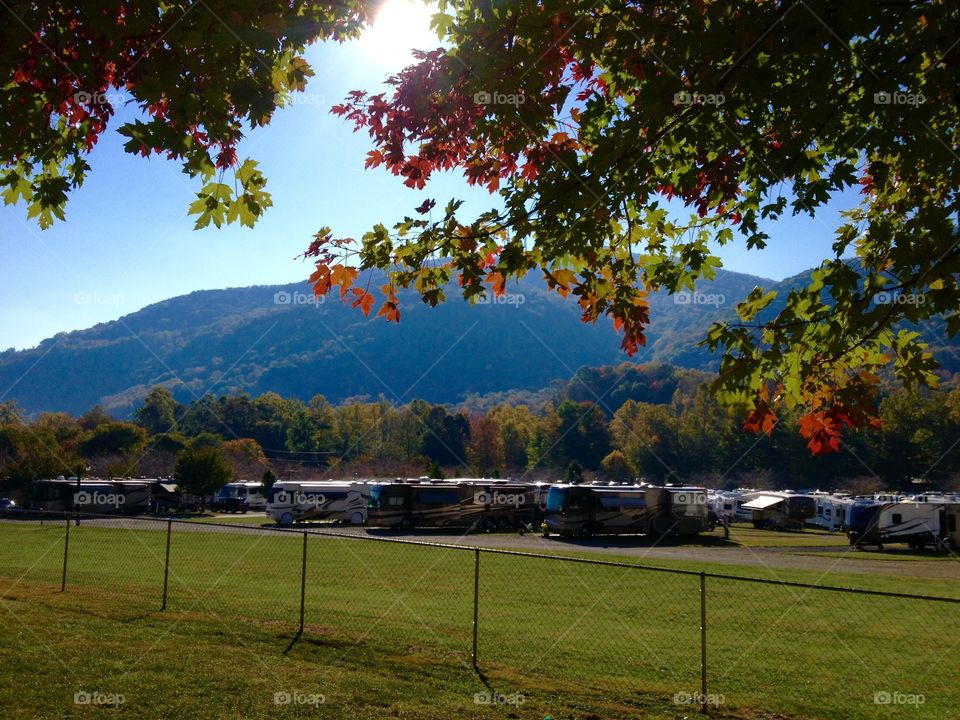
128 242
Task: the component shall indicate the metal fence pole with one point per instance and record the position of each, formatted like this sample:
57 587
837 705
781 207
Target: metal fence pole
66 549
166 566
303 583
476 604
703 642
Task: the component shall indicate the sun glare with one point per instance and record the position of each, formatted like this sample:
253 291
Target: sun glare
399 27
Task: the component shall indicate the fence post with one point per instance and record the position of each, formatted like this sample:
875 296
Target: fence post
303 583
66 549
166 566
703 642
476 604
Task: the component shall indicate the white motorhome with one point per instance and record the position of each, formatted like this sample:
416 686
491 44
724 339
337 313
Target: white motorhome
344 502
252 492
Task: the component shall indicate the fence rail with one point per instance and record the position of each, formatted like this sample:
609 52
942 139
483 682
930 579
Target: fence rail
699 638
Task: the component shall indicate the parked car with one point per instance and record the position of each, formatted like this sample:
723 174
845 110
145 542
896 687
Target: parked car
8 507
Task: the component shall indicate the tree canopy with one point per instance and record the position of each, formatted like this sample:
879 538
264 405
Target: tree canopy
625 142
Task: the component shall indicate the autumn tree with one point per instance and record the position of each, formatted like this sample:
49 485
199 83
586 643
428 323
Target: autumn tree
626 143
484 449
199 80
201 471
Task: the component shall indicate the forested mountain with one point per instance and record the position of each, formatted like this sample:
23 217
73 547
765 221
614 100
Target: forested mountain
280 339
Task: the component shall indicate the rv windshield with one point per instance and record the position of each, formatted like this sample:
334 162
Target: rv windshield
376 494
556 499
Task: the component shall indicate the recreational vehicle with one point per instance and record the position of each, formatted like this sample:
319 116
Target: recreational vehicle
459 502
235 494
689 511
585 510
917 524
832 511
781 511
124 495
291 502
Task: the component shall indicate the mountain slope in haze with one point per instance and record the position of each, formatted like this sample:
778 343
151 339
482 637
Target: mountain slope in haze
281 339
278 338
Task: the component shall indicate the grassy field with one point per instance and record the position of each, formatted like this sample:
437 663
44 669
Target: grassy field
388 632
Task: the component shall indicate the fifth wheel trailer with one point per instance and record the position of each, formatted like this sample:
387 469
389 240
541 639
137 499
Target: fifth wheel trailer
917 524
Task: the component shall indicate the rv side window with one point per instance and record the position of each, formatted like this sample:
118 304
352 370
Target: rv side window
951 523
897 518
826 512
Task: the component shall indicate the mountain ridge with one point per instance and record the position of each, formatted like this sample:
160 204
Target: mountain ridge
280 338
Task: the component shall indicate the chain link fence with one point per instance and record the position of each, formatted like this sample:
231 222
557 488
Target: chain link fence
703 641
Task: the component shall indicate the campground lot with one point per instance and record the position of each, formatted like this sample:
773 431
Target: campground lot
388 625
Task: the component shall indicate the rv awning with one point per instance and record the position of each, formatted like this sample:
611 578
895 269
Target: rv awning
762 502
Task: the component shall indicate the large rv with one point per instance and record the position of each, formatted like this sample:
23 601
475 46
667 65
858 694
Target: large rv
124 495
345 502
249 493
461 502
585 510
781 511
917 524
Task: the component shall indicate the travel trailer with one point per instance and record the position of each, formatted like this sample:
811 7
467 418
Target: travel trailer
781 511
917 524
832 511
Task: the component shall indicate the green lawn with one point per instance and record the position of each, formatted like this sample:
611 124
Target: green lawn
389 629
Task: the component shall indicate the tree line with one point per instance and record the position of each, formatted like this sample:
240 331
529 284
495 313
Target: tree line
655 422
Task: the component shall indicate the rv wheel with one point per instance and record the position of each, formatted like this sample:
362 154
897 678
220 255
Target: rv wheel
406 525
586 531
286 519
356 519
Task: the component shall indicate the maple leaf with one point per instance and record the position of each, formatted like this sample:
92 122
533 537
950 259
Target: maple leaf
426 206
497 282
343 276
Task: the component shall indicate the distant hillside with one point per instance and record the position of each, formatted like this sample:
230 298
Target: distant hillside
277 338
